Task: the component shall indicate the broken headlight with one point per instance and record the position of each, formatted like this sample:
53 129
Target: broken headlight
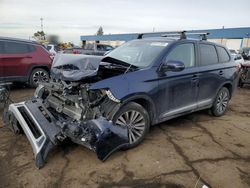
111 96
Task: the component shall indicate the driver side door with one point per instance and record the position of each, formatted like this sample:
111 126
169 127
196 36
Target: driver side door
178 90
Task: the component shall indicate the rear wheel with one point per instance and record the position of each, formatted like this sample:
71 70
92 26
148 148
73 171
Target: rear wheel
221 102
38 75
136 119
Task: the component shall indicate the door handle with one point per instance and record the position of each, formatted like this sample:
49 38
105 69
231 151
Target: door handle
221 73
194 77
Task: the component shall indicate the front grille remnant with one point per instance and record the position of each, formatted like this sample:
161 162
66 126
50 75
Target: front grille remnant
31 124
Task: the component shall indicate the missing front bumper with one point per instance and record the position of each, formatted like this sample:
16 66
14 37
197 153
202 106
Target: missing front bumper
44 132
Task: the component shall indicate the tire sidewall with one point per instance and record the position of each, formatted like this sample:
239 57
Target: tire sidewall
31 82
137 107
214 108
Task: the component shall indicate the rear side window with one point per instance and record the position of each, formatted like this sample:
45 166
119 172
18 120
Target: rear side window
1 47
184 53
17 48
223 55
208 54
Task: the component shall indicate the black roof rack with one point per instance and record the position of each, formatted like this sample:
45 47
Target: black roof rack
140 36
183 34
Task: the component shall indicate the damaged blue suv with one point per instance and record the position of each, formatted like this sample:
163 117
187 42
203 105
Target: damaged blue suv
107 103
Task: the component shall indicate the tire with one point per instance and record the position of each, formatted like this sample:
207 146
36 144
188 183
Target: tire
221 102
38 75
139 127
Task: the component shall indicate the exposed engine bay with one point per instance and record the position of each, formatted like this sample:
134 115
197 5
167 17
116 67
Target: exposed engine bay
66 107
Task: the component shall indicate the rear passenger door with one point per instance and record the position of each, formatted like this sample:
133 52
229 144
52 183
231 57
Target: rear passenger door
211 72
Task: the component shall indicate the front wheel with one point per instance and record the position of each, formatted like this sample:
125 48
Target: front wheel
221 102
38 75
133 116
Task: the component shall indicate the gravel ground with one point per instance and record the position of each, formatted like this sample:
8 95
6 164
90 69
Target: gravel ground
194 149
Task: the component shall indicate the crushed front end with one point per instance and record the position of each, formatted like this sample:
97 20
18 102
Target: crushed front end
68 109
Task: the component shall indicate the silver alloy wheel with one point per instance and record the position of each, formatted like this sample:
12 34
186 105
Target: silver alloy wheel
135 123
222 102
40 76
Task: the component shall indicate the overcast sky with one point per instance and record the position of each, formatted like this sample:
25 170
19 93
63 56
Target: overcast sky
71 18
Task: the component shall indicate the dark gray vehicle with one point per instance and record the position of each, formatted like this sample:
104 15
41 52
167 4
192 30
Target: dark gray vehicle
96 49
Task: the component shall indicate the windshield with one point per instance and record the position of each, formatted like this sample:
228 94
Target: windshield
140 53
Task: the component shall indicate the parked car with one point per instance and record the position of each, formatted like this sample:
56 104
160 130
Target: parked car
237 57
245 74
74 50
96 49
23 61
245 52
108 103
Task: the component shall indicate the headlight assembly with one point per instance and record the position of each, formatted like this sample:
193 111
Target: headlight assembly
111 96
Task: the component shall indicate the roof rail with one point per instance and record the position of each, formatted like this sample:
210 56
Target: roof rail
202 35
18 40
183 35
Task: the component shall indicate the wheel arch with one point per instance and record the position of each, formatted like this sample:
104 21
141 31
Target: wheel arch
229 86
37 67
146 102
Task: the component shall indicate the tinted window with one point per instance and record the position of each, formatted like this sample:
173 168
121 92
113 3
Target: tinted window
49 47
16 48
109 48
208 54
223 55
1 47
100 47
184 53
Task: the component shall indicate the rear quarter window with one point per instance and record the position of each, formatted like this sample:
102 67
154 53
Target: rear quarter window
223 55
208 54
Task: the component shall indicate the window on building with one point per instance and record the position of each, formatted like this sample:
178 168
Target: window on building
208 54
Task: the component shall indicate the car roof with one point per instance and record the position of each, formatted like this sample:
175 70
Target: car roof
18 40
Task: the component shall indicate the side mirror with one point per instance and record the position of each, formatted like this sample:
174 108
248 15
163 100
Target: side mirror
174 66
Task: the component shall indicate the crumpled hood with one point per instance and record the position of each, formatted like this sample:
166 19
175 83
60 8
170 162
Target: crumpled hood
73 67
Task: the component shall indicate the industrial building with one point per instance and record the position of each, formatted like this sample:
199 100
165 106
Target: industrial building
233 38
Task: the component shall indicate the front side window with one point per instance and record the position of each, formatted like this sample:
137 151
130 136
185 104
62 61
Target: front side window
223 55
16 48
208 54
184 53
